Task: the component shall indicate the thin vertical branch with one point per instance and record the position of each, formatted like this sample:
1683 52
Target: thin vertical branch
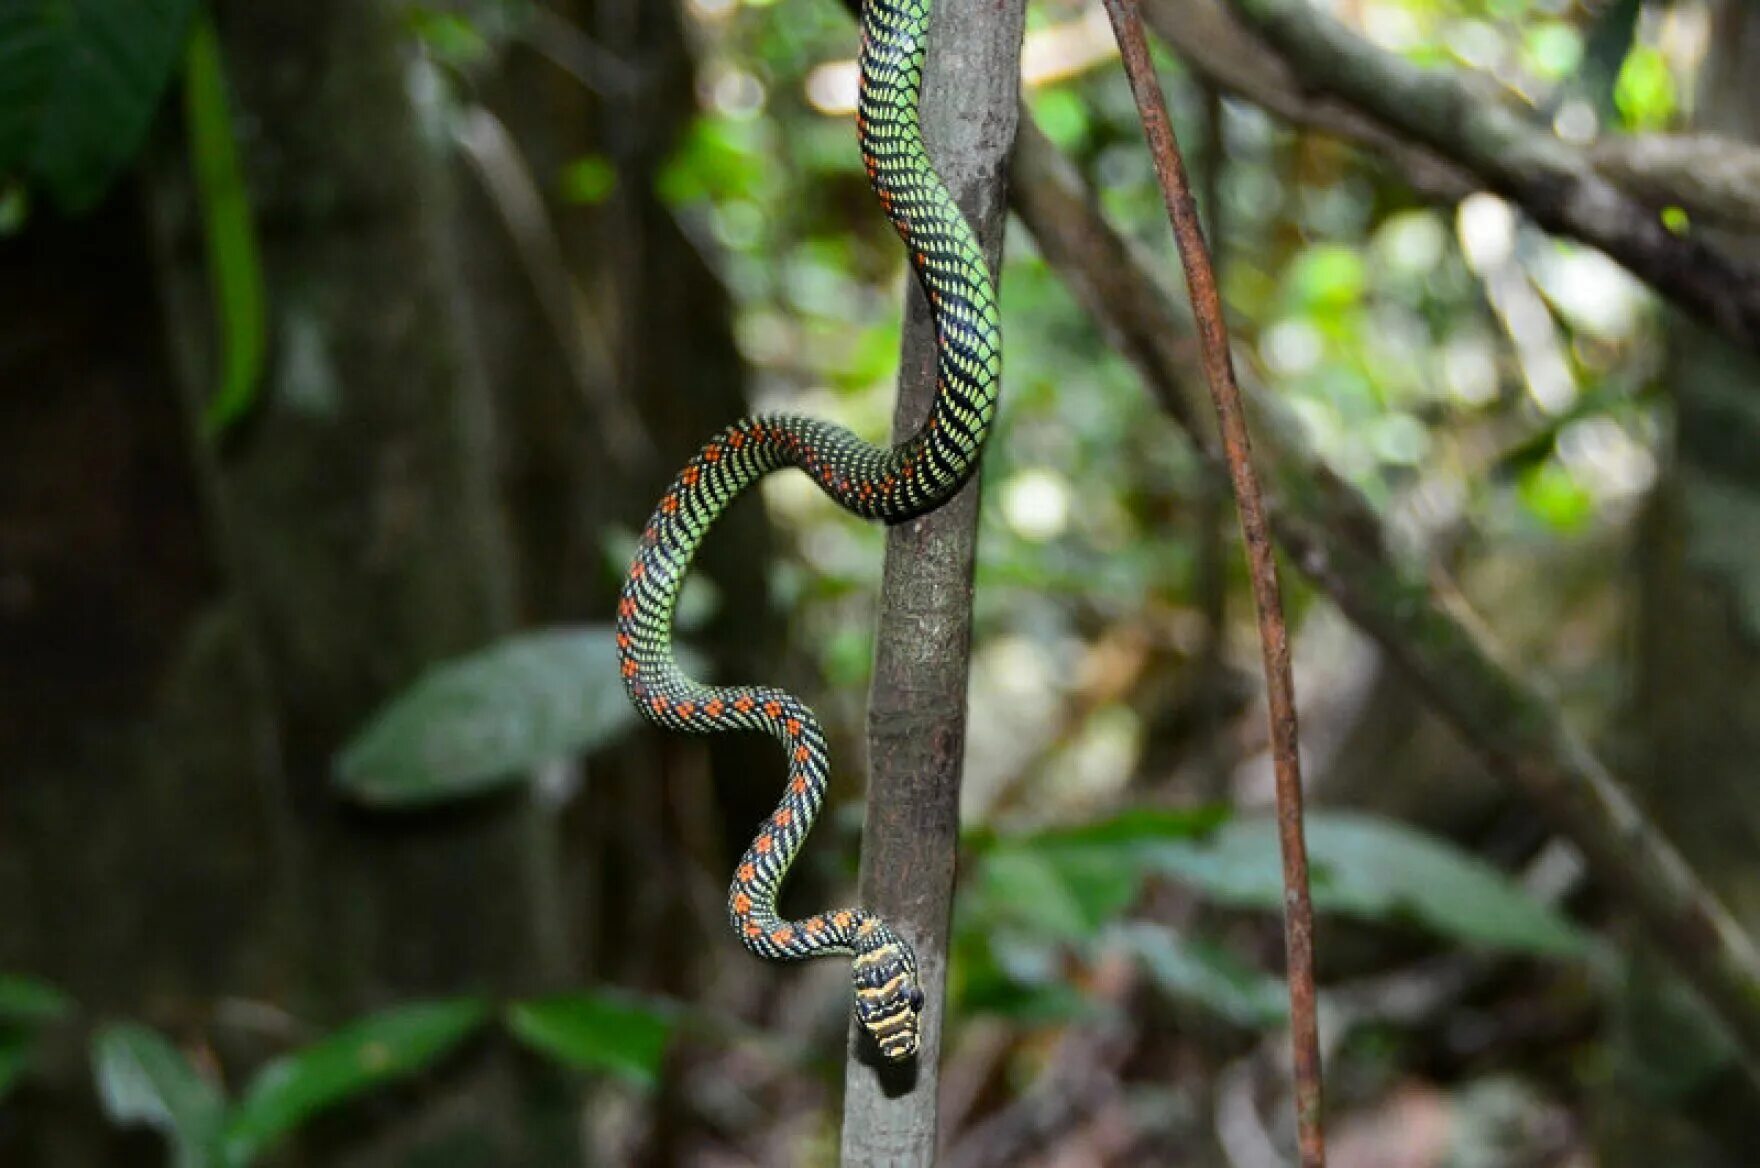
917 709
1182 211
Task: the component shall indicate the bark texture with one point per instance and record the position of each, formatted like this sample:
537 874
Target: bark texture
916 712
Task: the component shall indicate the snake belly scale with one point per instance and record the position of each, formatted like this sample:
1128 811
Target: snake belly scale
892 484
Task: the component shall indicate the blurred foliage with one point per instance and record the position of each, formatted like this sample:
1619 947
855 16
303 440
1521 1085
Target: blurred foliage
490 719
27 1001
27 1005
1035 897
143 1079
365 1055
597 1032
235 277
78 87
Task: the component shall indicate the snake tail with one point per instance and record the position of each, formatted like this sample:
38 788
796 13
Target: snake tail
890 484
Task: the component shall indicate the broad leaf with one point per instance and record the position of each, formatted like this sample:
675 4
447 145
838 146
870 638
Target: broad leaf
1379 870
143 1079
370 1053
597 1032
487 720
1068 894
1200 972
79 81
25 999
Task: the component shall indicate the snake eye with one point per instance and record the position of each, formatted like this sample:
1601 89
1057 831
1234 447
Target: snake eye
915 998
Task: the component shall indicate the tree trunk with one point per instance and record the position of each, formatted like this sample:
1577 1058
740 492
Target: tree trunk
917 707
1699 677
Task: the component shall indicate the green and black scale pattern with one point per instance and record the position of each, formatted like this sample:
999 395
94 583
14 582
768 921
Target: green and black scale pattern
890 484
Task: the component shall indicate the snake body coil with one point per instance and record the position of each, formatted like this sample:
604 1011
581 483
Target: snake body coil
891 484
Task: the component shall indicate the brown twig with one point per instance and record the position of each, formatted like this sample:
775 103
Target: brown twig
1298 916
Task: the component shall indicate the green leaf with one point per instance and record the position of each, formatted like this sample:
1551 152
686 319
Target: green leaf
143 1079
1554 496
15 1058
1068 883
1135 825
1068 895
25 999
360 1057
234 275
1645 92
15 207
1328 276
1199 972
450 38
79 81
486 720
597 1032
1378 870
588 180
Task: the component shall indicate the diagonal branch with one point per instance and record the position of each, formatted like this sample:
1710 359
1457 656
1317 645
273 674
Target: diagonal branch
1218 45
1556 183
1334 537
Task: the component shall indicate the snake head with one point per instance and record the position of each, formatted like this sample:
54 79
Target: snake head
889 1000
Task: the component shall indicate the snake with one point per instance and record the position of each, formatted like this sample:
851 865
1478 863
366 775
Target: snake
891 484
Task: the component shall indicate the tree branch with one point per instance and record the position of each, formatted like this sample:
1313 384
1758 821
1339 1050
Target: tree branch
1511 154
917 707
1225 396
1715 180
1215 43
1334 537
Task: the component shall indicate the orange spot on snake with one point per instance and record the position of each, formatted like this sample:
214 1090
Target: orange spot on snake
746 873
799 785
686 709
774 709
794 727
629 668
689 476
743 704
742 904
763 844
843 920
752 930
815 925
714 708
802 754
783 817
783 935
